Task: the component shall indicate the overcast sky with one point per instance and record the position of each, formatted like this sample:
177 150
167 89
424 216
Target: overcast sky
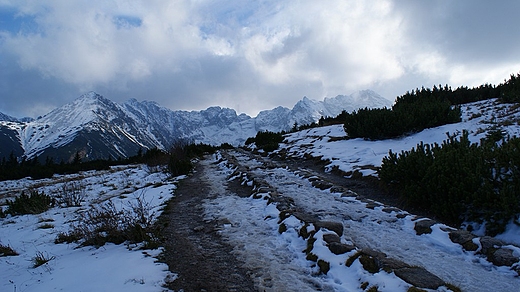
247 55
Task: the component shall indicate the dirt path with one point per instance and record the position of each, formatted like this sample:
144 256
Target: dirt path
193 249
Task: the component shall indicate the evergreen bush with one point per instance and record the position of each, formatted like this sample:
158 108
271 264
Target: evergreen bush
34 203
459 180
266 140
412 112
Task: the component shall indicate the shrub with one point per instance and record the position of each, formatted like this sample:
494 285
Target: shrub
412 112
267 141
180 162
72 193
105 223
6 251
41 259
35 203
458 180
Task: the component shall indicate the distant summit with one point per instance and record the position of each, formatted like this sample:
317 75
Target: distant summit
97 128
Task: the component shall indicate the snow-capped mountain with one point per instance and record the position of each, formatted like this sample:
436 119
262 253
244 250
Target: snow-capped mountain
98 128
7 118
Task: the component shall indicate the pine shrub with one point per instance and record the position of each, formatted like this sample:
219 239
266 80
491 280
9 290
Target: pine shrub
34 203
266 140
458 180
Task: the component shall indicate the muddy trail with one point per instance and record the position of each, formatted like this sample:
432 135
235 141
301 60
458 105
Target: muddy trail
243 222
193 249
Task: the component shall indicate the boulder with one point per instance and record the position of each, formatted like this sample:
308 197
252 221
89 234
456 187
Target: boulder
461 236
503 257
332 226
340 248
489 244
464 238
419 277
424 226
331 237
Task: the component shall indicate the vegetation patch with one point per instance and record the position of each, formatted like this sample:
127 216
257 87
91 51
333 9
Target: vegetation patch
267 141
6 251
460 181
34 203
41 259
105 223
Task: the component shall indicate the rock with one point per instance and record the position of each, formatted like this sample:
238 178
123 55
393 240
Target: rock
336 189
419 277
340 248
464 238
391 209
503 257
322 185
389 264
424 226
349 193
331 237
489 244
461 236
332 226
372 205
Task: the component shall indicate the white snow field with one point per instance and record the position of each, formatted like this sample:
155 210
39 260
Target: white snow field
108 268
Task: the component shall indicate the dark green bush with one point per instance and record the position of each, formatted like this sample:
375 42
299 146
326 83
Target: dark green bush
412 112
459 180
35 203
266 140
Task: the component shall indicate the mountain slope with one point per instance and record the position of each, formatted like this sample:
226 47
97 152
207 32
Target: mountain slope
97 128
92 126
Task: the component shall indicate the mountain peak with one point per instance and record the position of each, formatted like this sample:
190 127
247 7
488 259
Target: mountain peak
90 95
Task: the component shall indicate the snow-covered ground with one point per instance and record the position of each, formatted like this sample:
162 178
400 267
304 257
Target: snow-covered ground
280 264
108 268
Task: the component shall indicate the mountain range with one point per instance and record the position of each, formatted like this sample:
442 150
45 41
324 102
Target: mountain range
97 128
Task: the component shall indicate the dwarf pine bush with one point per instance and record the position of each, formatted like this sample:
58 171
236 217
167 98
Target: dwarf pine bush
34 203
459 180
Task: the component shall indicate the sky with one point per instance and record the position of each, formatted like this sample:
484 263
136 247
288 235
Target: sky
247 55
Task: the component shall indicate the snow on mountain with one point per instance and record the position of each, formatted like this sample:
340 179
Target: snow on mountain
98 128
7 118
86 125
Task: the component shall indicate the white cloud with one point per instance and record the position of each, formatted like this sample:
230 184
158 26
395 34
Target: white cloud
256 54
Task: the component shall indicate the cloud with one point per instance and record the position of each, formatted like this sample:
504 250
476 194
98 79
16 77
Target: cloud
253 55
